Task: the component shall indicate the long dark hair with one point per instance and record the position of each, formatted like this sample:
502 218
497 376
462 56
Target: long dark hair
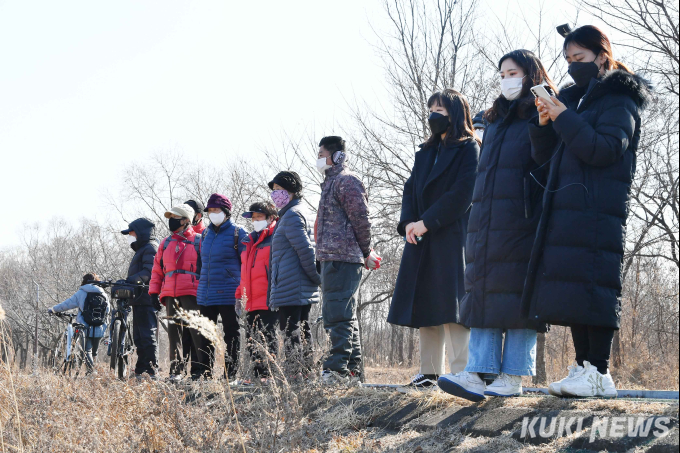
460 127
592 38
535 74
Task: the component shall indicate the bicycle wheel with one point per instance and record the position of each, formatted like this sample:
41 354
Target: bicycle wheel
118 358
77 356
115 344
123 360
59 354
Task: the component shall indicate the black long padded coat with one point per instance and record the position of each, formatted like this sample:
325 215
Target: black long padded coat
145 248
506 208
430 282
575 268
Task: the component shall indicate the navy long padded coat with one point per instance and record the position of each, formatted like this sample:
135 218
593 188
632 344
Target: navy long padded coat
506 207
430 282
575 268
294 280
220 265
145 248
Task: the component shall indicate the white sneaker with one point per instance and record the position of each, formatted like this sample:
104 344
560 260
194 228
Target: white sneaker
329 377
464 385
505 385
175 378
555 389
590 383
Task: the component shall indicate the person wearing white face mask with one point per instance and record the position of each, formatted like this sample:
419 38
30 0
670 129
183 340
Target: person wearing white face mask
145 322
252 292
506 208
343 247
479 123
220 254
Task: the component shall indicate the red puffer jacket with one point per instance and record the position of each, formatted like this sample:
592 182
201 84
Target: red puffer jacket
255 269
178 275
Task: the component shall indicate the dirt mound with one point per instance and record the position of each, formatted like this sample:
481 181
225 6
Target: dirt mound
379 420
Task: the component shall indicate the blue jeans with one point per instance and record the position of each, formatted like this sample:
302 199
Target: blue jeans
488 355
91 348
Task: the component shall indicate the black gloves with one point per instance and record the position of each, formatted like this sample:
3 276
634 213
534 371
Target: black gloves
156 301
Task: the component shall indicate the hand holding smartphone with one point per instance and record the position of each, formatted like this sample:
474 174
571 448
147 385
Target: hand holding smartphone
539 91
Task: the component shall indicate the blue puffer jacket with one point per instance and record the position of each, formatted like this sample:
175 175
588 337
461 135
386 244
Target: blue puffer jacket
294 280
220 265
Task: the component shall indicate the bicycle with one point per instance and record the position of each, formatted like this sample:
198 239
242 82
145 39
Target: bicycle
120 344
69 354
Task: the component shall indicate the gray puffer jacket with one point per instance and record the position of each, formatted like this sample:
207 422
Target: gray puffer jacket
293 280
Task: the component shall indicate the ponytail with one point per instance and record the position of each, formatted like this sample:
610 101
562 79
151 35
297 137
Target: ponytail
618 65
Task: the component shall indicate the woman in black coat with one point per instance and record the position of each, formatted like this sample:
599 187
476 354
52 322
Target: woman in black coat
589 138
434 215
506 207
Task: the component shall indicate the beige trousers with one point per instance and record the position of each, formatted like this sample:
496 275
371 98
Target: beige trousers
453 338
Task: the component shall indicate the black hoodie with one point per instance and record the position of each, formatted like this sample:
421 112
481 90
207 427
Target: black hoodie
145 248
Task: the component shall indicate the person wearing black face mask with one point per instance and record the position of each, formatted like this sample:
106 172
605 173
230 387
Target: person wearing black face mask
174 283
197 224
589 137
434 216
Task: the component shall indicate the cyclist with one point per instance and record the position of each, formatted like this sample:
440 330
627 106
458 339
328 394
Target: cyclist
141 237
93 333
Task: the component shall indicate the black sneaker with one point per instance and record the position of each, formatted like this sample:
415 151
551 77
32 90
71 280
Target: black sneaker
419 383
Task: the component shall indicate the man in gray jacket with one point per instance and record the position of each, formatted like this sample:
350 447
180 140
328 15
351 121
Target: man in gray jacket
343 247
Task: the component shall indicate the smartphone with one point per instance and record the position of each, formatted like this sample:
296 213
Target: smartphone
539 91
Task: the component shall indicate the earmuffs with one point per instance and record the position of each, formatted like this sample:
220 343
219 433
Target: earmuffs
338 157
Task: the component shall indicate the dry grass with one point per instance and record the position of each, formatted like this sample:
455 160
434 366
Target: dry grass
50 412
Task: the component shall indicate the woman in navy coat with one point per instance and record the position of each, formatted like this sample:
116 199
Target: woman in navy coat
506 207
434 216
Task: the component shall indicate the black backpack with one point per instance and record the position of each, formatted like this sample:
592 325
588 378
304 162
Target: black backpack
94 310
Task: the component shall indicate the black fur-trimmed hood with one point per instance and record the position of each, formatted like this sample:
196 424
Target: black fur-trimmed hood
623 82
617 81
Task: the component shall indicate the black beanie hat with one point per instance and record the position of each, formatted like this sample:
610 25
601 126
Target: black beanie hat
289 180
197 205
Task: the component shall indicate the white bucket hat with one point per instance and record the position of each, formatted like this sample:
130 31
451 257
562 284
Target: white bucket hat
183 210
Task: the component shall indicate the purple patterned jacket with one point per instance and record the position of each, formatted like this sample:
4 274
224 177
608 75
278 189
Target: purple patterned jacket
343 230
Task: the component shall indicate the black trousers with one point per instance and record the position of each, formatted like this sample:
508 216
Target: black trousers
180 354
261 332
232 338
144 326
294 323
594 344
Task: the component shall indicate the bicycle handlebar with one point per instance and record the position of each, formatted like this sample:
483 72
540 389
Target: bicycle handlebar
109 283
64 315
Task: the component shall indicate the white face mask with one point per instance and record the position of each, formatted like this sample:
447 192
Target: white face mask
217 218
259 225
511 87
131 239
480 133
322 166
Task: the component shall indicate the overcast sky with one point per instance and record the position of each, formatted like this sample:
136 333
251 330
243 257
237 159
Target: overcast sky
87 87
